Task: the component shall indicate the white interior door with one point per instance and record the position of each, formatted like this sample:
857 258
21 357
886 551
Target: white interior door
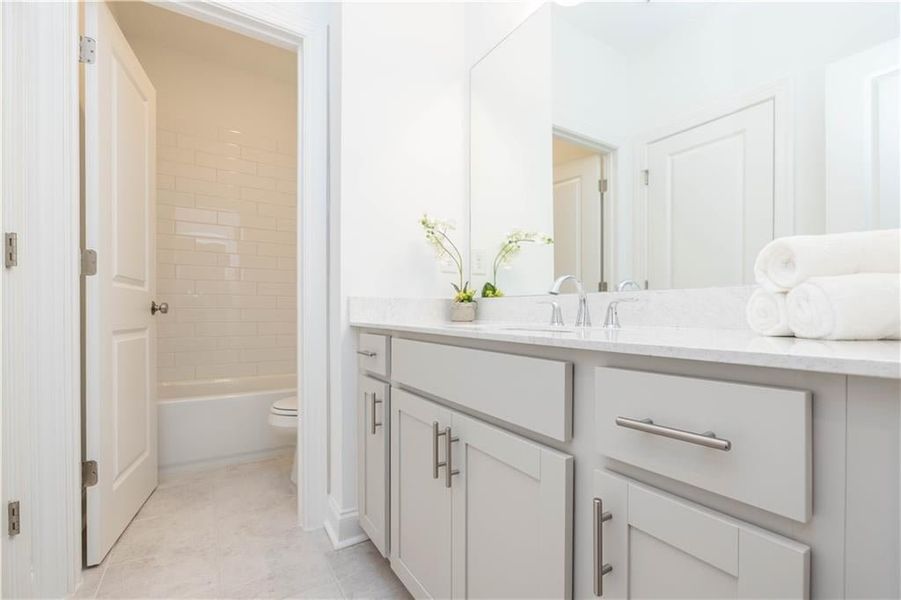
710 200
862 140
120 336
577 220
566 227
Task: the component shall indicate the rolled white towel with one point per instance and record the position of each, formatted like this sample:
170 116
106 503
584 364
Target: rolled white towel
865 306
788 261
766 313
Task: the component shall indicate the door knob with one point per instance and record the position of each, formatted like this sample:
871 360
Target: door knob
162 307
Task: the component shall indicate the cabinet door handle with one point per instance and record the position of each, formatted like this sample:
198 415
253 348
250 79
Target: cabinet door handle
600 567
707 439
435 464
367 353
449 470
372 422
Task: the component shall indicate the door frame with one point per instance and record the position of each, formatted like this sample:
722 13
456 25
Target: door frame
780 92
41 297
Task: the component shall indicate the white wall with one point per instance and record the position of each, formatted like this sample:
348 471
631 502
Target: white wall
402 145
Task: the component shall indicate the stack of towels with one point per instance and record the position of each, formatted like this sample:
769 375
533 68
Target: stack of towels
842 286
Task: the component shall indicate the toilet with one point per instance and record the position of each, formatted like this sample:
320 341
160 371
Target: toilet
283 414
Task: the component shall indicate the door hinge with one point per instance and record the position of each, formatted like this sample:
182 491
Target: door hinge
645 176
602 186
602 286
87 49
88 262
13 519
10 250
645 284
89 473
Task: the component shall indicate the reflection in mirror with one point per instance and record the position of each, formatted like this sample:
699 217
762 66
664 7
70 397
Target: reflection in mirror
661 145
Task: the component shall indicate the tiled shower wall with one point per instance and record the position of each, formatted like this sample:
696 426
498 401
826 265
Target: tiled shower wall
226 252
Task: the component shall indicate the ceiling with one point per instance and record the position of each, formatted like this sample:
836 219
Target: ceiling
636 27
140 19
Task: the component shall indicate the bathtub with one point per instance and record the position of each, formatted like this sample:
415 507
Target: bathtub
213 423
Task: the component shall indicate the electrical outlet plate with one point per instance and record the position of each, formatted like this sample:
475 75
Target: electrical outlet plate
479 262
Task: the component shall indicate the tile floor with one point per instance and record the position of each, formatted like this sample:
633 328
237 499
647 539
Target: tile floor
232 533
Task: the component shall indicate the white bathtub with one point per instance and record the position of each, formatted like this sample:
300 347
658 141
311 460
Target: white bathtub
211 423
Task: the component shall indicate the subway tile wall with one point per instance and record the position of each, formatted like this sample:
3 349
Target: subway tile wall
226 253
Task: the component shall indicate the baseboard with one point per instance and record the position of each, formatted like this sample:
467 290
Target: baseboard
218 430
343 526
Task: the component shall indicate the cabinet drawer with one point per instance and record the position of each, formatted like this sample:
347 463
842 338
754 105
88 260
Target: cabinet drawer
372 352
761 452
650 544
533 393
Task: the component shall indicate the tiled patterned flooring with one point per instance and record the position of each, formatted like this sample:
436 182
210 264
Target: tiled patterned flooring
232 533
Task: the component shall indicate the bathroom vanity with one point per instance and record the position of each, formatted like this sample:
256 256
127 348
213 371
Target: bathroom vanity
679 456
516 460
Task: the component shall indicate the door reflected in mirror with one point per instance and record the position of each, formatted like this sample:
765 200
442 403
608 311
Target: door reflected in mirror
662 145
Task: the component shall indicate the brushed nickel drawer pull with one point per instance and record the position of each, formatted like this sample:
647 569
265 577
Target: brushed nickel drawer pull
366 353
600 567
372 422
449 470
707 439
435 464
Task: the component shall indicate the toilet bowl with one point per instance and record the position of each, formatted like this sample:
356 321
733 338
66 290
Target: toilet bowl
283 414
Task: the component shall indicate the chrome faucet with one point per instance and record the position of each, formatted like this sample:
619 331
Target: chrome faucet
623 285
611 319
583 319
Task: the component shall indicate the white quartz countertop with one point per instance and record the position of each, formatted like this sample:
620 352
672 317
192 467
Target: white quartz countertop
732 346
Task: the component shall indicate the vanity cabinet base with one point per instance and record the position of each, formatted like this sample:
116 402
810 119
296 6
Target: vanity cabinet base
476 511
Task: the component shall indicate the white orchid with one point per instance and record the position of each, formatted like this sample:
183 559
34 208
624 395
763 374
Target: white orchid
436 234
510 248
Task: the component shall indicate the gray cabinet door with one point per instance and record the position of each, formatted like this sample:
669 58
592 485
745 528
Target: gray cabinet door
661 546
372 448
420 502
512 515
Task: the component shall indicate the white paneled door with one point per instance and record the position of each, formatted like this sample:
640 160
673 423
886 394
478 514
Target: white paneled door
710 198
120 336
577 220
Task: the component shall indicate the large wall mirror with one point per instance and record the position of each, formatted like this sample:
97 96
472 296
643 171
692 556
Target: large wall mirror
661 145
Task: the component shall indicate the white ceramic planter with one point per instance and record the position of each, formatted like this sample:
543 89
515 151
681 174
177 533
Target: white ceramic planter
463 312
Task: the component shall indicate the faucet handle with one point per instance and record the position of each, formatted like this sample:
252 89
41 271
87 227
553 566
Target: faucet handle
611 319
556 313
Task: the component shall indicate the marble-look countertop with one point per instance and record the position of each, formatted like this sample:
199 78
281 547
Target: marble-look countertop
730 346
